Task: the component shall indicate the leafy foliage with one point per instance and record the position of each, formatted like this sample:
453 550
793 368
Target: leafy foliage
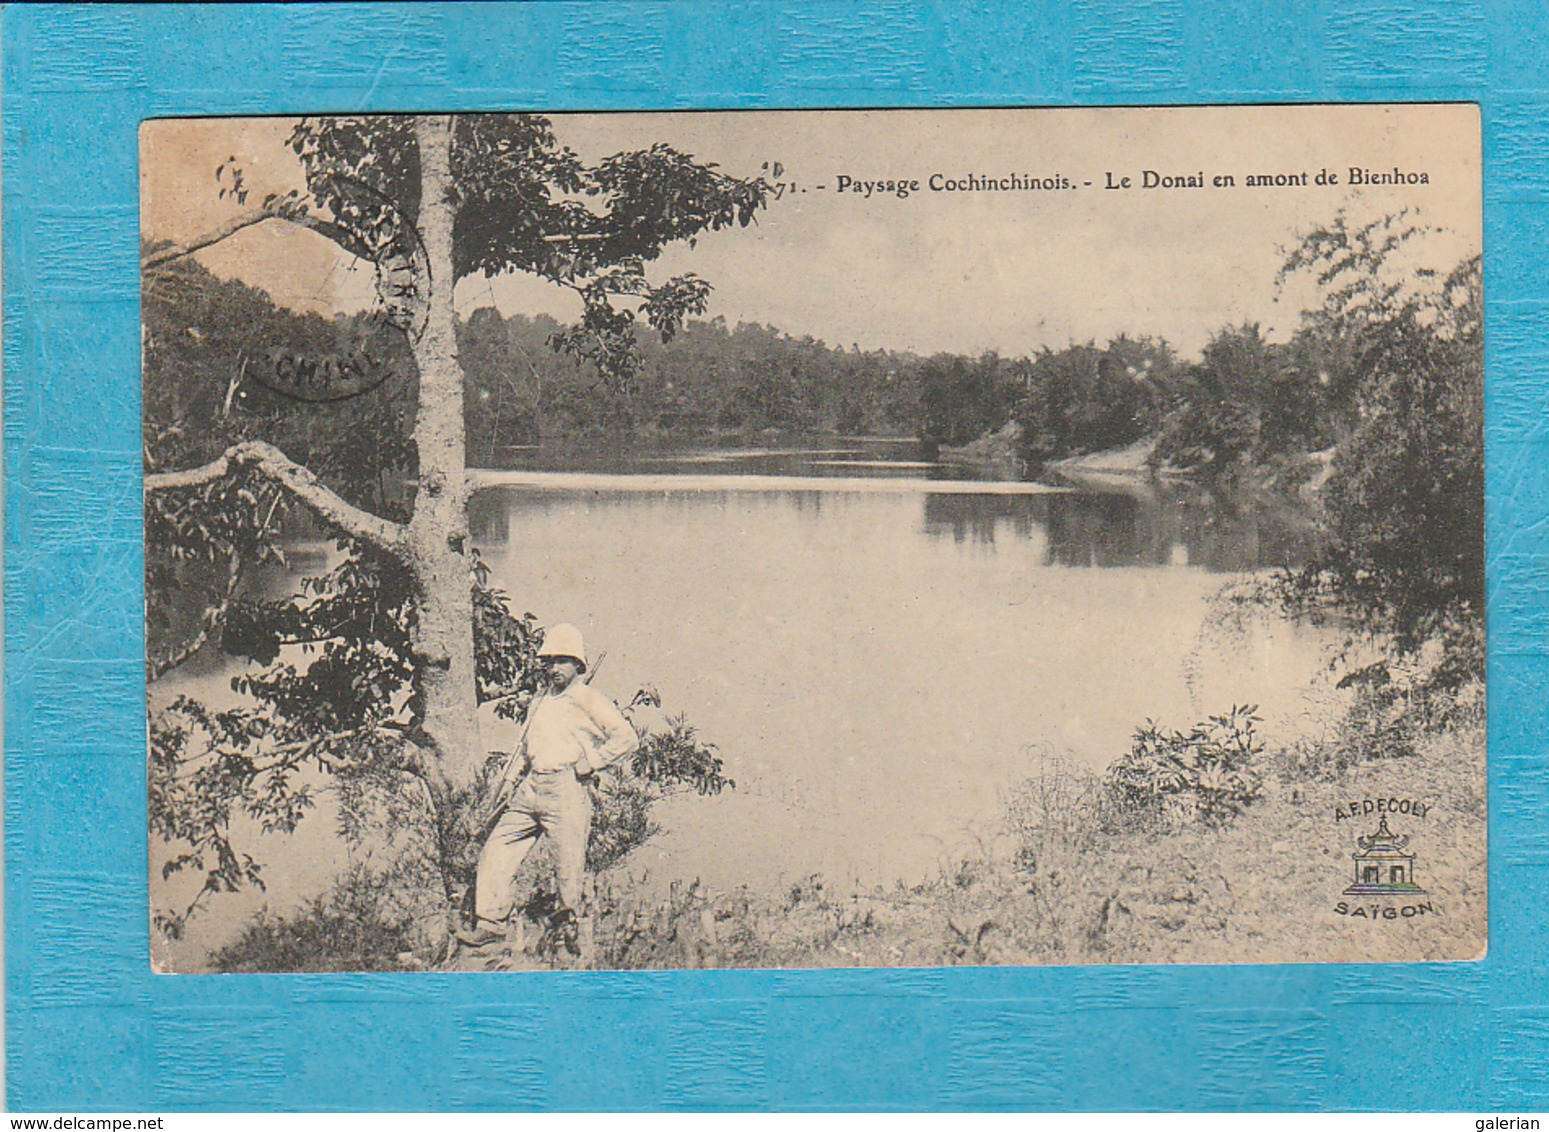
1207 773
1404 504
1085 399
505 645
331 707
1216 420
678 758
962 399
1249 401
206 342
527 203
331 700
670 761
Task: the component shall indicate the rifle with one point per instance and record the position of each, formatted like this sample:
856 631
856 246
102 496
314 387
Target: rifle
497 805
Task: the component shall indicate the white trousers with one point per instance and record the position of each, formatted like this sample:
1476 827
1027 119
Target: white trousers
556 804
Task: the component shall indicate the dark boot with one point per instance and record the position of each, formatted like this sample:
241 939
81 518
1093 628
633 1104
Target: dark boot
486 932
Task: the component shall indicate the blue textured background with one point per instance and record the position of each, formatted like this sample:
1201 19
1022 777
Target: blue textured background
89 1027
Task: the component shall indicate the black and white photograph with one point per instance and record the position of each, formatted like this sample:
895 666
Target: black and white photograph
826 538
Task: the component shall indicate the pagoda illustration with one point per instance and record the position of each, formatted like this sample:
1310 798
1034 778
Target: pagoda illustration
1382 868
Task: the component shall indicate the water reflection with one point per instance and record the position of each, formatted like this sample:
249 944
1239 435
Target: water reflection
977 518
1153 525
1103 526
489 518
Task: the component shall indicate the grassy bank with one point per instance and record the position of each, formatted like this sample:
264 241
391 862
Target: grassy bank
1075 883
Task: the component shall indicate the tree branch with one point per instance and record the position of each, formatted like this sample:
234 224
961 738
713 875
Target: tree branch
268 460
338 234
213 619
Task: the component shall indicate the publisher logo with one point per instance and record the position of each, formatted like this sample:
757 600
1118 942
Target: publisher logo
1382 868
1385 872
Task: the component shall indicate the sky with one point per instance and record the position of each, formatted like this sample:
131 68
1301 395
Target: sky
962 272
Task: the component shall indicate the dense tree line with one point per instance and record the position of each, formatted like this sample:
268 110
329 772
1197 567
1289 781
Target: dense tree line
712 379
217 349
1245 401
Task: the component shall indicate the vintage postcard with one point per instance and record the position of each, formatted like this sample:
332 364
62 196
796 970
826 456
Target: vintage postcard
813 539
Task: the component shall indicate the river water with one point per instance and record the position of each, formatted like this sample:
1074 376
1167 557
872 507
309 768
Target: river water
881 646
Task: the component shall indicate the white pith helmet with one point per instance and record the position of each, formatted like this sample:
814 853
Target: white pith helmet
563 640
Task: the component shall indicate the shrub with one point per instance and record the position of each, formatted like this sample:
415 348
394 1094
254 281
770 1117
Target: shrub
1206 773
666 762
1052 813
368 921
1396 708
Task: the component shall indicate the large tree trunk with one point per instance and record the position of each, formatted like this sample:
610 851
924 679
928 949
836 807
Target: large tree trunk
438 552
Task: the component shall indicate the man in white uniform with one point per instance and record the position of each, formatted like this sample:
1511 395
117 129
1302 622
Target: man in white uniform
573 731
